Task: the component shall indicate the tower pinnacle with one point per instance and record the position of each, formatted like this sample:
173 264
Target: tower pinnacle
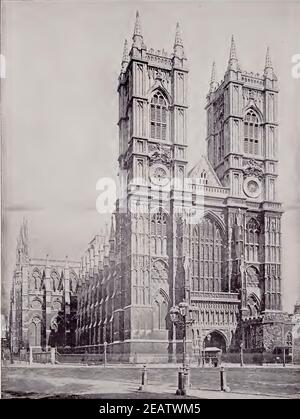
125 57
137 33
233 63
178 44
137 26
112 230
269 70
213 83
178 38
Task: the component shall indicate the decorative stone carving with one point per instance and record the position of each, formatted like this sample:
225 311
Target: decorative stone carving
252 168
160 154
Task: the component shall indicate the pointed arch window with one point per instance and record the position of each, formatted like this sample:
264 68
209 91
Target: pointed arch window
289 339
252 240
158 117
159 233
160 312
207 244
36 280
251 133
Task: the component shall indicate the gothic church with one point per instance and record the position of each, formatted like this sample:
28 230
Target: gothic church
210 235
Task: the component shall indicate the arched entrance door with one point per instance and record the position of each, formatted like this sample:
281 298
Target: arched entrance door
215 339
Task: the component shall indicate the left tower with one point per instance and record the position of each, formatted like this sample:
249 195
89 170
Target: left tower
152 151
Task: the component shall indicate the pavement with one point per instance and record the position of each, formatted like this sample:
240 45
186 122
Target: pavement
21 381
150 366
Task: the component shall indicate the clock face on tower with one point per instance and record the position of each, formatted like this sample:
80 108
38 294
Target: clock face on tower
252 187
159 175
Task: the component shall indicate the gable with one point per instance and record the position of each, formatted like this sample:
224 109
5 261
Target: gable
203 170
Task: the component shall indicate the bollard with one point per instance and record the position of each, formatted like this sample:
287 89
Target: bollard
105 353
223 380
30 355
144 379
181 389
186 377
52 355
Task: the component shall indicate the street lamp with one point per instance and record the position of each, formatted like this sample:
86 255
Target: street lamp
183 316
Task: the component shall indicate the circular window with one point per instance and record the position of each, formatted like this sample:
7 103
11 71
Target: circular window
252 187
159 175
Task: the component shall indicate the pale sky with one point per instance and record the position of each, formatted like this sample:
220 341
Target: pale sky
60 108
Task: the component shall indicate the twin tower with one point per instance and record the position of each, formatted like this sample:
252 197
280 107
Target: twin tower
209 235
228 263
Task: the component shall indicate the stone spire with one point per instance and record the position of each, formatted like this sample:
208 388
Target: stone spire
233 63
178 44
178 38
269 70
112 240
268 59
213 84
137 26
137 32
112 230
125 58
22 243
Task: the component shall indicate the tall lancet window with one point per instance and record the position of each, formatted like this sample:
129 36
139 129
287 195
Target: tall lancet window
252 240
251 133
158 117
159 234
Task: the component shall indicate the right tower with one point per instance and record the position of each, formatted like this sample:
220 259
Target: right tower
242 144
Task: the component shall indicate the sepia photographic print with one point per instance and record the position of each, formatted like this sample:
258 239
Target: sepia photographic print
150 202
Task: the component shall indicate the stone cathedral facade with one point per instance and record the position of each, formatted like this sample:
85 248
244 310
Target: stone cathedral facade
209 235
43 300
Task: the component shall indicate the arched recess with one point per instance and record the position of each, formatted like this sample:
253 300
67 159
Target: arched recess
35 282
54 280
207 255
252 131
159 221
252 240
35 331
160 306
73 281
216 339
289 339
253 305
159 116
252 277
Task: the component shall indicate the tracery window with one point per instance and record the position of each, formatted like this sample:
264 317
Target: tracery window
253 306
252 240
207 244
289 339
160 311
251 133
54 281
36 280
158 117
35 331
159 233
203 178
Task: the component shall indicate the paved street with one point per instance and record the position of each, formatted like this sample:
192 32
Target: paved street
93 381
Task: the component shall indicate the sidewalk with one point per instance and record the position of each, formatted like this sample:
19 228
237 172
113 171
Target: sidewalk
38 386
149 366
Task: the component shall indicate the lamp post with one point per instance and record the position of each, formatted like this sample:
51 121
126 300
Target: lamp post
183 316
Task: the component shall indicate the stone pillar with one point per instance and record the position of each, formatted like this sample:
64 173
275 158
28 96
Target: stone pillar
30 355
48 300
52 351
67 302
